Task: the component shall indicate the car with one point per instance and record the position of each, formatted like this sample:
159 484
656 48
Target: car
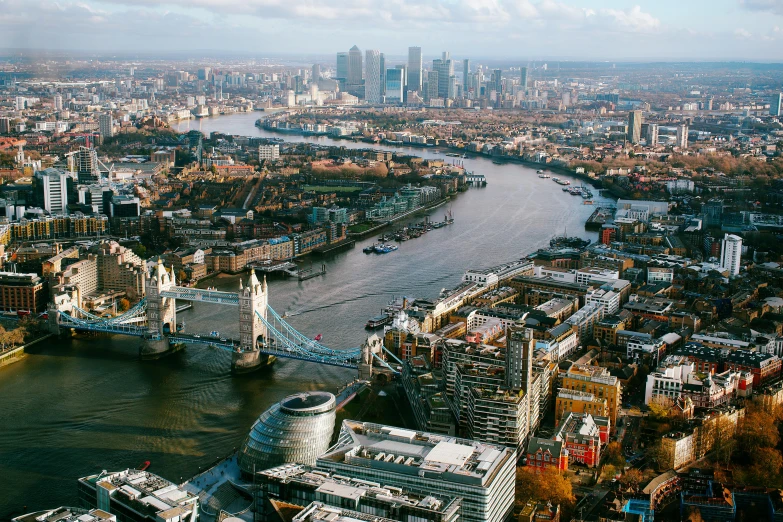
197 336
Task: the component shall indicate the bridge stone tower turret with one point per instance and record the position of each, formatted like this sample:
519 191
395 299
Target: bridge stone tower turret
161 312
253 300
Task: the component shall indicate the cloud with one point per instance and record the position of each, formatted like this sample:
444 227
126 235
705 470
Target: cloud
634 19
770 6
742 34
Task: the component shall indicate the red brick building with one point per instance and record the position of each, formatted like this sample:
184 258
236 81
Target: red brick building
546 453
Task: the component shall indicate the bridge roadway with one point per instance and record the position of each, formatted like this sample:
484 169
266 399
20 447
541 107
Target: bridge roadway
202 295
300 352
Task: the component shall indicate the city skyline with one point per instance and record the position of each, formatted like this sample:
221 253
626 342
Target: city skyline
545 29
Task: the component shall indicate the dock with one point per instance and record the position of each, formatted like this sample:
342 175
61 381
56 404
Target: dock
307 273
335 247
599 217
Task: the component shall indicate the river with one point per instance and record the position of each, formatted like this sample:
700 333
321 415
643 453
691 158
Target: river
77 406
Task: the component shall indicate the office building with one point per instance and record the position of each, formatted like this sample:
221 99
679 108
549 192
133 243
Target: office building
55 190
354 81
523 78
316 72
465 75
482 475
313 491
269 152
496 82
297 429
341 74
730 254
26 292
125 206
445 69
414 69
106 125
372 80
682 136
431 91
395 86
5 125
635 126
138 496
776 105
383 75
58 102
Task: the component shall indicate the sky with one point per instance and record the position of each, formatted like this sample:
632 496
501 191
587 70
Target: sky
519 29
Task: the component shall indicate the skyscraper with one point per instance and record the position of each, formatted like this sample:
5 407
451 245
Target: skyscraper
87 165
395 85
465 74
58 102
432 85
730 253
383 74
316 72
106 125
354 80
776 106
497 81
341 74
523 78
372 86
682 136
634 126
445 69
650 133
414 68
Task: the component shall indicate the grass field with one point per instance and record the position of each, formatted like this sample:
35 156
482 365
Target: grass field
322 188
361 227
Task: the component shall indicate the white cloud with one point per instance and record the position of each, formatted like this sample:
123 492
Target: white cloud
634 19
742 34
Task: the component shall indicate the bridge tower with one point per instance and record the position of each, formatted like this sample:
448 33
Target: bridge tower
161 312
253 300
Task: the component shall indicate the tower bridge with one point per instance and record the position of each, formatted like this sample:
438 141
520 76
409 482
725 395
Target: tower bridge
263 334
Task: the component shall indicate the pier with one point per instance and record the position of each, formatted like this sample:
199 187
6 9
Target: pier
307 273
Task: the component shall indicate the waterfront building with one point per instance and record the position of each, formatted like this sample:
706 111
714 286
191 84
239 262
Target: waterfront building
297 429
481 474
595 380
493 276
67 514
731 254
414 69
22 292
372 78
634 126
138 496
312 491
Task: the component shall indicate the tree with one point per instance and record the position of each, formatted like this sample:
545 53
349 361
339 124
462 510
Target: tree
631 478
759 430
124 304
182 276
614 454
765 471
544 486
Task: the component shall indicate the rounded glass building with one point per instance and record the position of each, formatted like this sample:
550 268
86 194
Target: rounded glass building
297 429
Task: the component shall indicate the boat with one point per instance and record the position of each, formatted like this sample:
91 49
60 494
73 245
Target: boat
565 189
144 466
569 242
377 322
385 248
539 172
587 202
369 249
544 176
318 337
497 162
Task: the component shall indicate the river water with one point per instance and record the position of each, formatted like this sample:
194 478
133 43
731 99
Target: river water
77 406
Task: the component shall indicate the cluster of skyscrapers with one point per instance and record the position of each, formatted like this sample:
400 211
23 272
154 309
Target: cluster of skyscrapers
370 78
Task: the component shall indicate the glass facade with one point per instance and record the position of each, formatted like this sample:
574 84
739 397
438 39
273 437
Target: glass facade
297 429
